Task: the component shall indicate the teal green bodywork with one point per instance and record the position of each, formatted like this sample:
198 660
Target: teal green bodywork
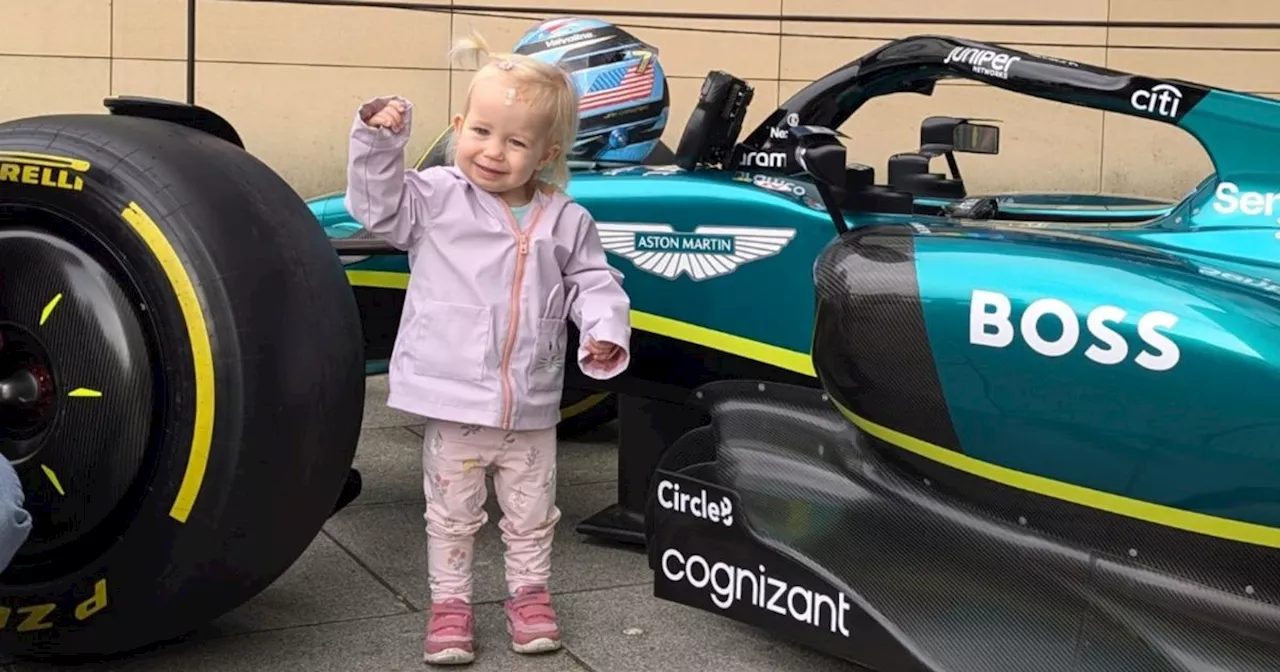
1199 437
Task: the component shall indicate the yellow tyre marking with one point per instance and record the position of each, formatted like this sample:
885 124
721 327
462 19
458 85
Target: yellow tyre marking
773 355
201 356
1167 516
378 279
84 392
53 478
48 308
46 160
582 405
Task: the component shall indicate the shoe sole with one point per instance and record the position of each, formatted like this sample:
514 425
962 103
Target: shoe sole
449 657
539 645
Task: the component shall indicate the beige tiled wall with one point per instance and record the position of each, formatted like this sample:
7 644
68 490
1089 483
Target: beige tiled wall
288 77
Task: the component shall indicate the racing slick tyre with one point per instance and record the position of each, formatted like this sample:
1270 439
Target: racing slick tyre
181 380
582 411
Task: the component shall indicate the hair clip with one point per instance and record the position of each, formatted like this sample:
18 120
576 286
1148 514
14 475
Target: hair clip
505 64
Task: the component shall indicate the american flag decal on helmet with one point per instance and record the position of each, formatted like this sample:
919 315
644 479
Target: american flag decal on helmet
619 86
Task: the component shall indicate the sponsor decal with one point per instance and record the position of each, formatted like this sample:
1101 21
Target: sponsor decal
698 505
774 183
568 39
1161 100
1264 284
754 159
986 62
991 325
43 170
643 171
783 186
1060 61
1229 200
729 584
706 252
776 133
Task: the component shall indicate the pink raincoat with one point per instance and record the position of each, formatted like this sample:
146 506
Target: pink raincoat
483 333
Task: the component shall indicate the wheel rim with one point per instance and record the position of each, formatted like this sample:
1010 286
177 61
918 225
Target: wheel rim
77 396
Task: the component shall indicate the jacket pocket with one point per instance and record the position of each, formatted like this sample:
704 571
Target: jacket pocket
548 355
451 341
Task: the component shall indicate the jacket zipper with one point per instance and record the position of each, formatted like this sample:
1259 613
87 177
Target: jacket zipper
522 240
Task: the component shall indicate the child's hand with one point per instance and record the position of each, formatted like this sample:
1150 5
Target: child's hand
604 355
391 116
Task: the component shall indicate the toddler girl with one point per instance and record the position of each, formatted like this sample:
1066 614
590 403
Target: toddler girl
501 257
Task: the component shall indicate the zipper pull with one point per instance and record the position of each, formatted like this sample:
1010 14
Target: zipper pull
524 244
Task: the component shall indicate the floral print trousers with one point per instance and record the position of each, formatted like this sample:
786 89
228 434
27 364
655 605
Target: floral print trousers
455 460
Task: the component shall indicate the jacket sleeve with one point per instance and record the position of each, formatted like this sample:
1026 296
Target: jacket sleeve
389 201
601 308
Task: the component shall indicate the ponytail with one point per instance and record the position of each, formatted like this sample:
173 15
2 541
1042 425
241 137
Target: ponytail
473 48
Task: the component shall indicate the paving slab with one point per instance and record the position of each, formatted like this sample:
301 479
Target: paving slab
325 585
376 413
385 644
390 540
390 464
629 630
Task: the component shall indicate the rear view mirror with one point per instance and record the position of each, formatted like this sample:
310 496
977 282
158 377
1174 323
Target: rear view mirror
942 135
974 138
821 155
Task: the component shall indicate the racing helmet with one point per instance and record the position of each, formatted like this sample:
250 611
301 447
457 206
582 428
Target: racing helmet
622 88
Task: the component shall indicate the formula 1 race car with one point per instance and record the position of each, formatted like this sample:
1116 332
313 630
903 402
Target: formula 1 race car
968 432
953 433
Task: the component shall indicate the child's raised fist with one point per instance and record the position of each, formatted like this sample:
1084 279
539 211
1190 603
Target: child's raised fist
391 116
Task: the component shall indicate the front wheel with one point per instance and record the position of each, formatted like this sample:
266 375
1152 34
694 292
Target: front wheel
186 355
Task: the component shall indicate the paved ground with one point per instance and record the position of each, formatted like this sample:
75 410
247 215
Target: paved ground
355 601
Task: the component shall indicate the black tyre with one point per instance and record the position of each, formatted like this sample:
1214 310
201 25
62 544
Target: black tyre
197 354
582 411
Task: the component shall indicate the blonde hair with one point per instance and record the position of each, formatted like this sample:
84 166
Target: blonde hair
547 86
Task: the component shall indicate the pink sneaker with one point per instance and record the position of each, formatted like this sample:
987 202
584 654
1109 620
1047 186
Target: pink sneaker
450 638
531 621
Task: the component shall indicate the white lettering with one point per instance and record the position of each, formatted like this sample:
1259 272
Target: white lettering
778 184
1097 322
991 325
1265 284
776 133
1031 327
731 584
1167 350
980 319
699 505
568 39
1230 200
764 159
1161 100
983 61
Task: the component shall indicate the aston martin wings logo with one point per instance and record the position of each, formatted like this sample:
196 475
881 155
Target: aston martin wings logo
707 252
